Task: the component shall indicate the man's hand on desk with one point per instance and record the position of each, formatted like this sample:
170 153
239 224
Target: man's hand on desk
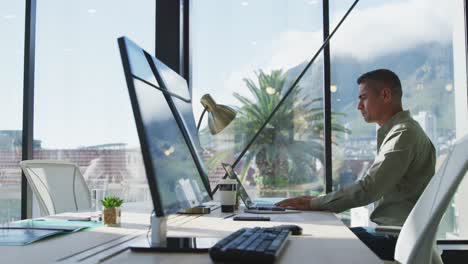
298 203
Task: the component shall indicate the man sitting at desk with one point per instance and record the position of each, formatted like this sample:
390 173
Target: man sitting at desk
404 165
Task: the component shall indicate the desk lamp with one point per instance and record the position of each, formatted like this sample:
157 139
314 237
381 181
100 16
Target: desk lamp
219 116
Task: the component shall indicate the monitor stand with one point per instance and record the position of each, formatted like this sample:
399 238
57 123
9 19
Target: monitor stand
159 242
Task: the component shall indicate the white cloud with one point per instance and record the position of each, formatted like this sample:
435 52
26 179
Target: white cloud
293 48
368 33
393 27
371 32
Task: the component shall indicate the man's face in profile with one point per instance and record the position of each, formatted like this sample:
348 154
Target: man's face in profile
370 102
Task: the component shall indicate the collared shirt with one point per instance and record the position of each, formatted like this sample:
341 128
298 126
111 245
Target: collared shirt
404 165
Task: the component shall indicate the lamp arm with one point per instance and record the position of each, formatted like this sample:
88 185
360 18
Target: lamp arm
201 118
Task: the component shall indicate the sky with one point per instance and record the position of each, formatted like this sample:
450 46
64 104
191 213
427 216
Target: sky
81 98
374 28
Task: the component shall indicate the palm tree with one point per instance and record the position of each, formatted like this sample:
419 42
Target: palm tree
287 150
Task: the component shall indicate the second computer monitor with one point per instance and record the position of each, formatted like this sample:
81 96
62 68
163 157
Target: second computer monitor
162 112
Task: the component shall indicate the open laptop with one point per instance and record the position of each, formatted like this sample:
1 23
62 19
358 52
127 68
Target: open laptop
252 207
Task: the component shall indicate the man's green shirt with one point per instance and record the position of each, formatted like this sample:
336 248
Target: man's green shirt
404 165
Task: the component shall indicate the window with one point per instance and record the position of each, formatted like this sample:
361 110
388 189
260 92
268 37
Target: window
11 88
82 108
419 40
246 54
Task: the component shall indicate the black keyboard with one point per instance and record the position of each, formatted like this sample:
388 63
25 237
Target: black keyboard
262 245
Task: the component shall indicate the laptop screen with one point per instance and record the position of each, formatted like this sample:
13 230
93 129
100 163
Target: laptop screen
241 190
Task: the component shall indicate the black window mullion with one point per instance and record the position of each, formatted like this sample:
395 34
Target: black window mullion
170 35
327 99
186 52
28 102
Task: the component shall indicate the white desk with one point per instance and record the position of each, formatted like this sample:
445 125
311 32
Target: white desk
325 240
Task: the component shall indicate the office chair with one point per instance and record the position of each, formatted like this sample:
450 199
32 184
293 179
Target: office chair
58 185
417 237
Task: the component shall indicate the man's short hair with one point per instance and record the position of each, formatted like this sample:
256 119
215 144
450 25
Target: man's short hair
385 77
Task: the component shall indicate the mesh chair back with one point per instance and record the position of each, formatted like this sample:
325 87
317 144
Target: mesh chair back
59 186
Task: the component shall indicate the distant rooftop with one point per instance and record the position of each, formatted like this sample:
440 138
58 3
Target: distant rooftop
106 146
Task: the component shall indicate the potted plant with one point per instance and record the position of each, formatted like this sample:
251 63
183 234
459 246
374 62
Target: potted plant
111 212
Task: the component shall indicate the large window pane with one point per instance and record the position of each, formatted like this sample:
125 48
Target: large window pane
415 39
82 108
11 88
246 54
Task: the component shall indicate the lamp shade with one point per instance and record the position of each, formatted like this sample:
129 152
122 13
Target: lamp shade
219 116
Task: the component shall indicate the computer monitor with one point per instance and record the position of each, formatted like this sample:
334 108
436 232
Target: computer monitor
167 132
168 137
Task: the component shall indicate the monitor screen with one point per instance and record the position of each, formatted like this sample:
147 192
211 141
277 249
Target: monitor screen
177 86
163 116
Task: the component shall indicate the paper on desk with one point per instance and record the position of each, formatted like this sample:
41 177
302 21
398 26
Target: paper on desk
20 237
68 226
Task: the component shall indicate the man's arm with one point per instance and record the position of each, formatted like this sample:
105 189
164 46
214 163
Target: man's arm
389 166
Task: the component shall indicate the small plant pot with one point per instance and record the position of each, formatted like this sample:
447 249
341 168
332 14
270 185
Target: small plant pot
111 216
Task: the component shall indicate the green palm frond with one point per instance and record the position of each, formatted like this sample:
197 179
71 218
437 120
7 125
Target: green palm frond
292 141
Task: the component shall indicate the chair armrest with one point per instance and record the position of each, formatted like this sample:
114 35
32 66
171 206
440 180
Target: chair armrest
388 230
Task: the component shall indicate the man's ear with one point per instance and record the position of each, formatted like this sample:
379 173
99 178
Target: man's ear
386 94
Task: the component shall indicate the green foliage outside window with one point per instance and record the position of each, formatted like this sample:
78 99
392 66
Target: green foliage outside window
291 145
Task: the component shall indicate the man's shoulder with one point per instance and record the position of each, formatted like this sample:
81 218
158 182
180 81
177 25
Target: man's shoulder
408 125
408 132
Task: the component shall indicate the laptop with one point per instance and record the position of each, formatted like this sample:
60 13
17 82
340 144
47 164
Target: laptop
252 207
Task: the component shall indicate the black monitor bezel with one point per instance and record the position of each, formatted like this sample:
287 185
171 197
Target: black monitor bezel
142 135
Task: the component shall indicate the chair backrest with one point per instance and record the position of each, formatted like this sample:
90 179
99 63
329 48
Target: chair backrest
58 185
418 234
